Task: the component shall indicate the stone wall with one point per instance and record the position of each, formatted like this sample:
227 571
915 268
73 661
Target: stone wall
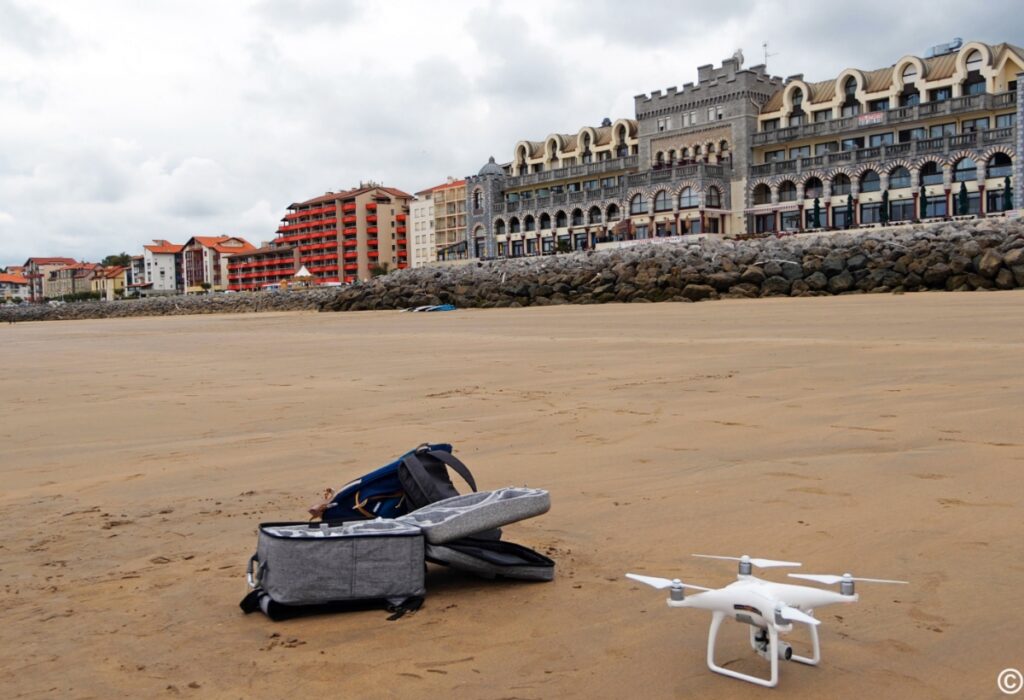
980 254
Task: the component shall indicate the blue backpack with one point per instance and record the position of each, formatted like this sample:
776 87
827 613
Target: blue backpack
417 478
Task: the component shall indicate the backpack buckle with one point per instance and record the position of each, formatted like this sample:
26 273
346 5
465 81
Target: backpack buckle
425 447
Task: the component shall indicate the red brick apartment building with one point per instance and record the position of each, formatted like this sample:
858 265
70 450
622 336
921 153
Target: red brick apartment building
338 237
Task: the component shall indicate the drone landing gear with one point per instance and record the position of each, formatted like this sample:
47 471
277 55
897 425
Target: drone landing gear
767 644
772 642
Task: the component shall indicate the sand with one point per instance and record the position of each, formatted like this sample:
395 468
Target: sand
878 434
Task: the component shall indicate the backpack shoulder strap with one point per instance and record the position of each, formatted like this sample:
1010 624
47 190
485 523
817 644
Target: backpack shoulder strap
419 472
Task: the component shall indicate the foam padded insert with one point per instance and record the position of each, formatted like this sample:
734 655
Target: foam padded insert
491 558
473 513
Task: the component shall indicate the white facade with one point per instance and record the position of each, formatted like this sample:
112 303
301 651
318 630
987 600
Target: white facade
160 268
421 214
12 286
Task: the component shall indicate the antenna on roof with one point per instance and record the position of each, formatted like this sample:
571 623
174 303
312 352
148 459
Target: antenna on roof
764 45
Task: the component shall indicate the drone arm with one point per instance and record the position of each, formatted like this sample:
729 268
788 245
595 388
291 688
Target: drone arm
773 641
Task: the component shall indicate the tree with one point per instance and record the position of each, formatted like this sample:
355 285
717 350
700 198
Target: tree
849 210
962 200
816 216
1007 195
884 215
206 286
923 202
563 247
378 269
121 259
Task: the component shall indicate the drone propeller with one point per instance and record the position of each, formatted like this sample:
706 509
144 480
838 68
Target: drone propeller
660 583
745 559
829 579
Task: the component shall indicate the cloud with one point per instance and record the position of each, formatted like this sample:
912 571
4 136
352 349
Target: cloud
29 29
306 15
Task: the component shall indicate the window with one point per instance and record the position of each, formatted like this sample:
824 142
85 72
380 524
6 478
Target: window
573 187
661 202
899 178
545 222
871 213
876 140
940 130
841 184
812 188
762 194
787 191
609 182
529 224
613 213
790 220
851 110
996 200
1005 120
512 197
940 94
499 227
638 205
577 217
711 114
851 107
935 206
822 115
909 73
910 99
852 144
686 119
931 174
775 156
907 135
800 152
878 105
718 113
823 148
688 198
561 220
965 170
969 126
664 123
513 225
902 210
769 125
1000 165
714 198
870 182
591 185
594 215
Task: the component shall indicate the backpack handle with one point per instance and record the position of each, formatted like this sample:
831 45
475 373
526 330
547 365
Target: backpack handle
419 472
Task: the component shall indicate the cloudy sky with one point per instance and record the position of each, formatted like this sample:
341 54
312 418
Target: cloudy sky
123 121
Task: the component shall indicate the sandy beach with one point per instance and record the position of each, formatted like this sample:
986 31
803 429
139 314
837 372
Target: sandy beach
878 434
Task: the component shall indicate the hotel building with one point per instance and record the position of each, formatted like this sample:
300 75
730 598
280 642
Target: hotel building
205 260
421 229
338 237
37 272
741 151
162 269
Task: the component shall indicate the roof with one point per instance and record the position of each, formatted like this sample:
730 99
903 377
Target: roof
445 186
50 261
880 80
268 249
161 246
491 168
8 278
112 271
350 194
222 244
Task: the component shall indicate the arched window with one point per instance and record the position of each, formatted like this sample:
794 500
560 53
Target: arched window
688 198
561 220
661 202
671 157
965 170
545 222
499 227
931 174
513 225
974 60
909 73
723 146
594 215
622 149
529 224
796 117
714 198
974 84
553 149
613 213
812 188
870 182
899 178
851 107
910 96
787 191
762 194
850 88
1000 165
638 205
577 217
841 184
521 159
685 152
696 151
659 159
478 196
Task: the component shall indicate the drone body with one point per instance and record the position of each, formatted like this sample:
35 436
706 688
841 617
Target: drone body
769 608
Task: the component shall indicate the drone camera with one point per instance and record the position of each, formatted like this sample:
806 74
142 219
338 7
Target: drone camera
785 651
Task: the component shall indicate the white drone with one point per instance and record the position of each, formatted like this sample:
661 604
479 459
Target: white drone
769 608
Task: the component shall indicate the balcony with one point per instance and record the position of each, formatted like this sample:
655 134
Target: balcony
402 241
604 166
373 242
352 255
350 243
350 219
403 253
400 229
373 254
897 115
978 140
350 230
348 207
399 217
402 265
351 267
371 206
371 230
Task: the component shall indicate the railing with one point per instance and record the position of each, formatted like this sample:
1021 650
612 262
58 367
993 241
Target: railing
896 115
603 166
940 144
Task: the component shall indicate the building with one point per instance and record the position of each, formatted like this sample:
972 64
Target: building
110 282
37 271
449 214
205 262
72 279
741 151
421 224
908 137
372 220
13 286
162 264
135 275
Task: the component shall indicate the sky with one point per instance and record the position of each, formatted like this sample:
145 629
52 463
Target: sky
124 121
